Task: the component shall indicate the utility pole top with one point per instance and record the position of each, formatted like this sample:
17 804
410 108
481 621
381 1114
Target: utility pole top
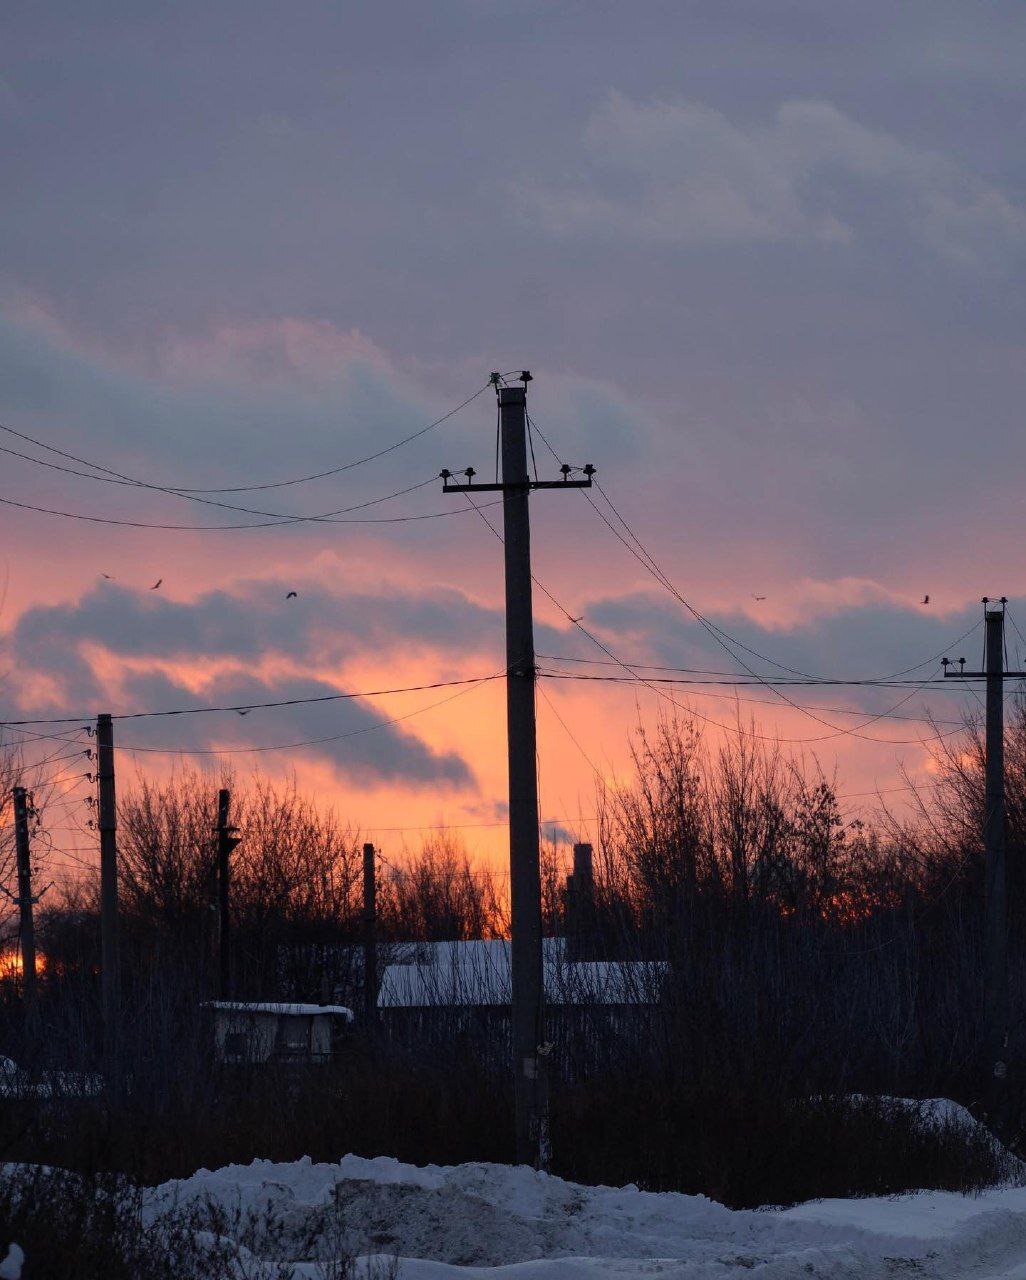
513 399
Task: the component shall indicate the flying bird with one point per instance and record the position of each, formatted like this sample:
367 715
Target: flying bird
243 712
580 619
759 598
156 584
292 595
108 576
926 599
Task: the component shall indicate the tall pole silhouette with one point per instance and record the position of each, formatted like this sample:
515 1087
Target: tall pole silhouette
995 919
110 977
25 902
528 1012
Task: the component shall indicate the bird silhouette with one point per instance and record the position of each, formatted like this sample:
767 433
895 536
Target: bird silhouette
108 576
156 584
243 712
580 619
759 598
926 599
292 595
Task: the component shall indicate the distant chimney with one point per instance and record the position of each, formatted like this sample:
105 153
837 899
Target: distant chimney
582 864
580 906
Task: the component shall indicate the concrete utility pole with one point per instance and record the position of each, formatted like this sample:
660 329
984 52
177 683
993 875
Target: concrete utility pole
110 976
25 902
370 937
227 840
995 924
528 1018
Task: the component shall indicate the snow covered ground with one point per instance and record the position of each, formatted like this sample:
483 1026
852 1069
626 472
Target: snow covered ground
479 1220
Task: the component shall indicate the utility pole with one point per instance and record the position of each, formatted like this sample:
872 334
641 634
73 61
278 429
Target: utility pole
109 961
995 922
370 937
528 1017
25 903
227 840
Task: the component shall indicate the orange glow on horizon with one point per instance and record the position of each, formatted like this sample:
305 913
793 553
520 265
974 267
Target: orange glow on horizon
12 967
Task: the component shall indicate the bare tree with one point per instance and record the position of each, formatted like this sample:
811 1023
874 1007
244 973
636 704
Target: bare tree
438 895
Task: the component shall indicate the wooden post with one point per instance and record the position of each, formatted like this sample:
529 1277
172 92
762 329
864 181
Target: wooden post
525 876
28 933
995 928
226 842
110 976
528 996
370 937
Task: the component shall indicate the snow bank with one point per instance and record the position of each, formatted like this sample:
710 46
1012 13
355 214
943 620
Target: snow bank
481 1220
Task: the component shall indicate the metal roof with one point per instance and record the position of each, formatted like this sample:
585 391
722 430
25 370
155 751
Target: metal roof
477 973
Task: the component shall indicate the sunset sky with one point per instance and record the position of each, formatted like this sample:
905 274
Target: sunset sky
764 260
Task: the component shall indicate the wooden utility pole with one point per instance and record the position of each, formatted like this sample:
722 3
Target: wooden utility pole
370 937
227 840
25 902
528 1016
110 976
995 926
995 922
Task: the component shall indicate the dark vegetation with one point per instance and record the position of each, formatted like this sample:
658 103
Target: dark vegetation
816 967
72 1226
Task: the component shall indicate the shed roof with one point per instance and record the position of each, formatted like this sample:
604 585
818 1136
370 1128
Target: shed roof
283 1010
477 973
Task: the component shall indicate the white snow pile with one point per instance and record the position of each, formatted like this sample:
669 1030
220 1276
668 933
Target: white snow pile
482 1220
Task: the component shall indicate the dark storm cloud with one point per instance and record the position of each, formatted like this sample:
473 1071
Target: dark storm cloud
252 623
256 619
361 743
257 623
871 639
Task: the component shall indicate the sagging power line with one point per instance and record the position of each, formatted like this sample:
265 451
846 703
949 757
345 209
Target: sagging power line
123 478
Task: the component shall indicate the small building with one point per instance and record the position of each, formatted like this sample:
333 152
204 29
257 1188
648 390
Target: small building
459 993
268 1032
476 974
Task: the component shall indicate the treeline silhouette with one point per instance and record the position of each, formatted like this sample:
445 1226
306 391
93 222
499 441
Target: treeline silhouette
815 968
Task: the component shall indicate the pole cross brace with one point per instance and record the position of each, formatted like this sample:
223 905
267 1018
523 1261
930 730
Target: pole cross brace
981 675
447 487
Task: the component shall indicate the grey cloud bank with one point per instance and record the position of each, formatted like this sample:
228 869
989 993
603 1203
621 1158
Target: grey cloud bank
769 277
682 172
250 629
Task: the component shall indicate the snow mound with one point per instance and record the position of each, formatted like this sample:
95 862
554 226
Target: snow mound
468 1220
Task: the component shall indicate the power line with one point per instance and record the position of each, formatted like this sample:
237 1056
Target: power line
718 632
888 681
733 680
284 517
246 488
41 737
466 826
649 563
761 702
569 733
311 742
837 731
225 528
260 706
